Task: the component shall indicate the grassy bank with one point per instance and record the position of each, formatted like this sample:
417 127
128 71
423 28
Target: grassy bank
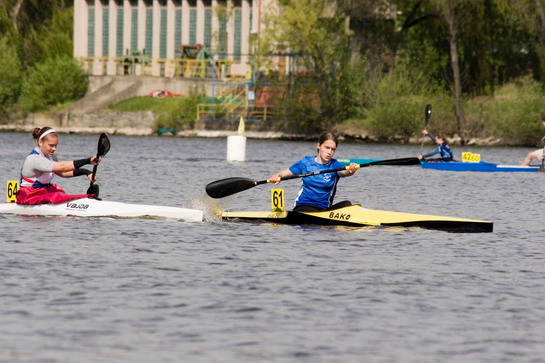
179 113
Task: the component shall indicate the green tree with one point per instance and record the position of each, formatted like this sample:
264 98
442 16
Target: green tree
515 117
54 38
10 75
395 102
28 23
314 30
315 36
447 10
529 17
53 82
467 45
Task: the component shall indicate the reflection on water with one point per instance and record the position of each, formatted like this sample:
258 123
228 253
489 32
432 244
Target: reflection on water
75 289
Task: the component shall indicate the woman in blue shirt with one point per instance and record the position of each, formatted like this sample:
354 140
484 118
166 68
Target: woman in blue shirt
317 191
443 149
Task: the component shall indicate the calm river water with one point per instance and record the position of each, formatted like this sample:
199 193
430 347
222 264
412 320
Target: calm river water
110 290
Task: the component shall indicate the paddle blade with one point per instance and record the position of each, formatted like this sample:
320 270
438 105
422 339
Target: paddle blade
93 189
402 161
226 187
427 113
102 149
103 145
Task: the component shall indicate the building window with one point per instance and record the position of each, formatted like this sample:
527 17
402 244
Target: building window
163 35
208 27
119 40
192 25
238 33
177 32
91 32
105 31
149 31
134 30
222 46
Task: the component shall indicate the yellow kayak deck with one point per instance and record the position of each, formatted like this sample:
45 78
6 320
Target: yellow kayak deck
356 215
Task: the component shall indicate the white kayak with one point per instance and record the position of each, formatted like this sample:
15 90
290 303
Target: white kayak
88 207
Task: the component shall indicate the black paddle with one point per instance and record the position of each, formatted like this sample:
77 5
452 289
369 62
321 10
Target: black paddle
427 115
102 149
226 187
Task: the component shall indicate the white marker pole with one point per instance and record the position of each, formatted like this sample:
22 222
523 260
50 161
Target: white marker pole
236 144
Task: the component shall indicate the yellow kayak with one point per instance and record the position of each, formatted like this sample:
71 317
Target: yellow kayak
358 216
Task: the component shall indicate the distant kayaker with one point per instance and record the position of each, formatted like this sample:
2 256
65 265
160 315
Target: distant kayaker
443 149
41 165
317 191
537 154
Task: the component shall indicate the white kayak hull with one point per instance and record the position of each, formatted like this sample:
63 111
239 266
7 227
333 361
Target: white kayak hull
88 207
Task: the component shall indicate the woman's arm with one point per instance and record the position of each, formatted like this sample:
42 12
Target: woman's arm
62 167
434 152
277 177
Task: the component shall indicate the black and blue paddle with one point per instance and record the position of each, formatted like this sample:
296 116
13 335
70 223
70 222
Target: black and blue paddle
102 149
229 186
427 115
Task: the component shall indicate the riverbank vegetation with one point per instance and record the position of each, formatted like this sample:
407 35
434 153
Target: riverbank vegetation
38 71
481 64
174 113
360 63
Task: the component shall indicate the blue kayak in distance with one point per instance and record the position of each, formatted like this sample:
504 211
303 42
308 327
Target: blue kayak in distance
480 166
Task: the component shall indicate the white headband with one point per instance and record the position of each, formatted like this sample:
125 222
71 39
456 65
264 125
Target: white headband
50 131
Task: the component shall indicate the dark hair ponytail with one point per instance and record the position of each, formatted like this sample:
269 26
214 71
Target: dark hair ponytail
37 132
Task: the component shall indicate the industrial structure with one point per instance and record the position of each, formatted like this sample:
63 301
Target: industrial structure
166 37
125 42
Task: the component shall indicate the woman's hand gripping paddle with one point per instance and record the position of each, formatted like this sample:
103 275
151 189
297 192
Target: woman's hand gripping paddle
427 115
102 149
226 187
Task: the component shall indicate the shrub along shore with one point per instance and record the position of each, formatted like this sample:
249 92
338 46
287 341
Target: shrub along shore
345 133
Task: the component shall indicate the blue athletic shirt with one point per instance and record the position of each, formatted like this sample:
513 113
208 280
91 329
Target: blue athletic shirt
443 150
318 190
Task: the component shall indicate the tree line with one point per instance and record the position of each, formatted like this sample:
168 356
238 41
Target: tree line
371 64
38 71
481 63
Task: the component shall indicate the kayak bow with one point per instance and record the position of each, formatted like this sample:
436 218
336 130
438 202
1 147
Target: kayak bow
358 216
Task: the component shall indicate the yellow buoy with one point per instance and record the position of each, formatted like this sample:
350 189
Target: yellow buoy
241 126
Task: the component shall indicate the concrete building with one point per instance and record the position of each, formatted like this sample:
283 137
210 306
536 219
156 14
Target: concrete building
166 38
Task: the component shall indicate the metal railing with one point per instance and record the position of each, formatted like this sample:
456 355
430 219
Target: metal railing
216 111
161 67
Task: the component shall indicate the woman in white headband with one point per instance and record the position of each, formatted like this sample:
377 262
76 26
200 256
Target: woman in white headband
41 165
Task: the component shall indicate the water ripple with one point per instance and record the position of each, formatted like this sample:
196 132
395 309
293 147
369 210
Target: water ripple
93 290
